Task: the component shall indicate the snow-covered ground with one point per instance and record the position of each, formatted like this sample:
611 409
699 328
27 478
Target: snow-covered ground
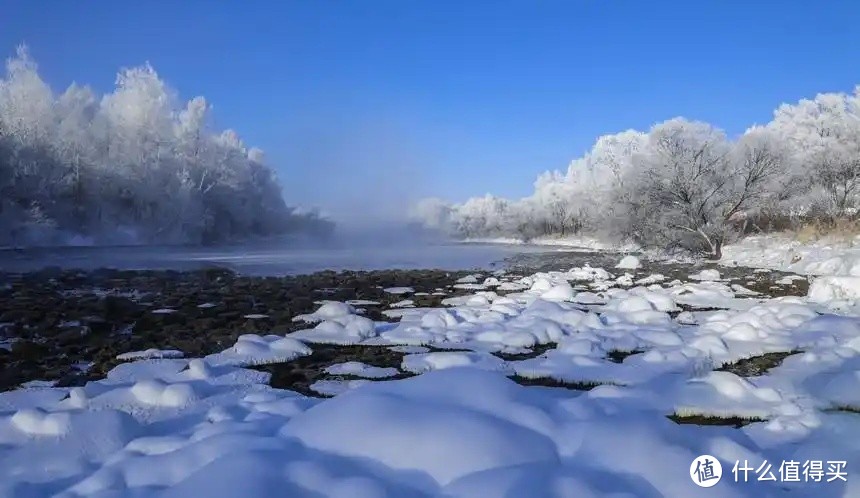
630 355
578 242
823 257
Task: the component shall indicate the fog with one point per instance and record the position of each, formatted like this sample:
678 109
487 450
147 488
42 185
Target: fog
363 172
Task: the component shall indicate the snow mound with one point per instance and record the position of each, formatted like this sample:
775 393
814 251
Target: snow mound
360 369
252 349
824 289
347 329
150 353
426 362
588 298
588 273
724 394
629 262
559 292
37 422
707 275
157 393
328 310
651 279
399 290
418 425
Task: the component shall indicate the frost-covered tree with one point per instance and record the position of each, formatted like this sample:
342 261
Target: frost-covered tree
133 166
686 185
691 187
824 136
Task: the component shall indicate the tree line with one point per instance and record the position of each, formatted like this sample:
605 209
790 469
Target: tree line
686 185
131 166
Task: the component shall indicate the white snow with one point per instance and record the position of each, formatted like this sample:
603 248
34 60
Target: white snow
328 310
780 252
420 363
706 275
252 349
399 290
163 311
150 353
347 329
161 425
334 387
824 289
359 369
629 262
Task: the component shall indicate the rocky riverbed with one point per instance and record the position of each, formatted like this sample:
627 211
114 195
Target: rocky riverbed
68 326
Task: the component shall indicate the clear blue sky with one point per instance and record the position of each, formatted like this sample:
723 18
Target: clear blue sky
366 105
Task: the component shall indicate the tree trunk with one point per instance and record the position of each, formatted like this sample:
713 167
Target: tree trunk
717 249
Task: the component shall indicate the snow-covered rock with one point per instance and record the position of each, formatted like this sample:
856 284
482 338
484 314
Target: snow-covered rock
328 310
426 362
629 262
150 353
345 329
706 275
824 289
253 349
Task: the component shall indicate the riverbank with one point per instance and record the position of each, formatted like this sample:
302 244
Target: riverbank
69 326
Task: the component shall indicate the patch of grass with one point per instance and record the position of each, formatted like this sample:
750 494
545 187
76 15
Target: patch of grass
550 382
736 422
757 365
687 307
298 374
536 350
618 356
836 229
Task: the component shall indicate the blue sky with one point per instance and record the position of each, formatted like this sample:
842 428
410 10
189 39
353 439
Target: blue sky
364 106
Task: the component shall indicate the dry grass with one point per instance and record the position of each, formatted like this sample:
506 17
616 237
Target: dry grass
757 365
730 420
838 229
586 385
843 409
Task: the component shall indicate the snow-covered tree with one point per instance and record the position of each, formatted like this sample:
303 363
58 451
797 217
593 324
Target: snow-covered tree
685 184
824 135
691 186
133 163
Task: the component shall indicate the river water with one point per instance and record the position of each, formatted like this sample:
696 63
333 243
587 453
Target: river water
268 260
